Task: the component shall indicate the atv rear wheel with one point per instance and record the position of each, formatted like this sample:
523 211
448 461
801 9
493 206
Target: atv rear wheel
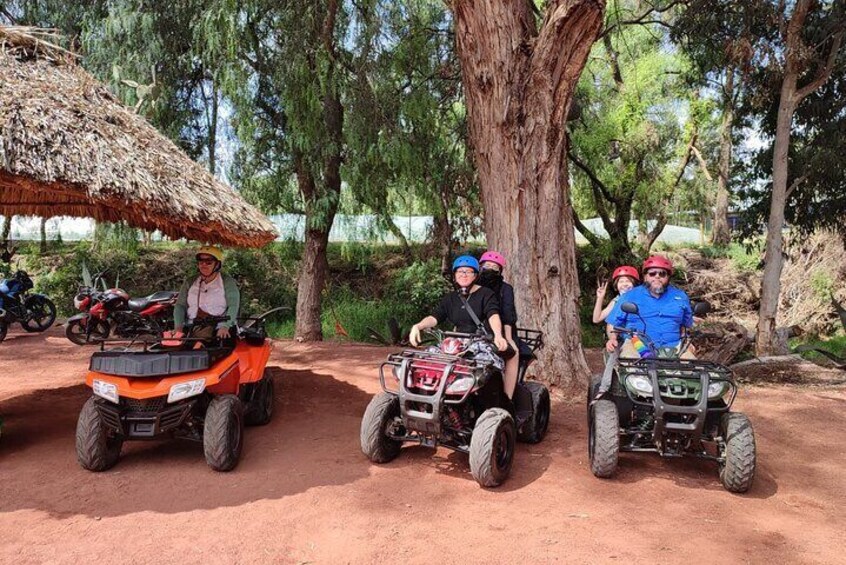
535 429
375 442
603 438
97 448
738 470
223 432
260 409
492 447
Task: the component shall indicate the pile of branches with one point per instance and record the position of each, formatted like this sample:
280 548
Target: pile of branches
813 280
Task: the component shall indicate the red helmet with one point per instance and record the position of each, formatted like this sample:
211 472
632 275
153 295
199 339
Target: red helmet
625 271
493 257
659 262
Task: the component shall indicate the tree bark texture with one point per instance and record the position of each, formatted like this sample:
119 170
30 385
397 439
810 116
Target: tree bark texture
519 81
766 342
721 234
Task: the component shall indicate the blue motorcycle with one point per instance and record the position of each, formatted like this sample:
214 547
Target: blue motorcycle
34 312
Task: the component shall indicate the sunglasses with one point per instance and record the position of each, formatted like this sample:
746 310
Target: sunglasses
658 273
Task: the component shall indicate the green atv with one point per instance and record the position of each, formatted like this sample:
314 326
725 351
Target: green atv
690 415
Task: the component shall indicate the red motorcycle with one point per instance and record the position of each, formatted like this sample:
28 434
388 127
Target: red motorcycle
112 311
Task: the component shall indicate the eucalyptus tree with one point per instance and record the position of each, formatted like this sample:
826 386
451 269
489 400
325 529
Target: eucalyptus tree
520 66
801 50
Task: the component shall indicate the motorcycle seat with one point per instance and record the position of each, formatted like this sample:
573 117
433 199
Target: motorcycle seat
140 304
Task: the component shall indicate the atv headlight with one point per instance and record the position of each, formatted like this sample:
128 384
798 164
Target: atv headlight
186 390
106 390
717 389
641 384
460 385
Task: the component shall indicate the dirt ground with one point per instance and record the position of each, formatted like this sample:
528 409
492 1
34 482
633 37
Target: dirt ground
304 493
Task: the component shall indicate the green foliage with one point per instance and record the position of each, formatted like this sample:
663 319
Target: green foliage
822 284
835 344
419 285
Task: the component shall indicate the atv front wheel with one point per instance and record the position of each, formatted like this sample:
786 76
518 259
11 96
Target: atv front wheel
603 438
223 432
492 447
97 448
535 429
375 442
738 470
261 407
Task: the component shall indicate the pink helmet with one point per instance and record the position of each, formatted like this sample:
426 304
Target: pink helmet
493 257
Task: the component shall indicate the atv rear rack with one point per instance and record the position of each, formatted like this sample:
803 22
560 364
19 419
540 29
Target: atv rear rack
532 338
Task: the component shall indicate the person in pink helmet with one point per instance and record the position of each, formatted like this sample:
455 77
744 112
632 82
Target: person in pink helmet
623 280
492 265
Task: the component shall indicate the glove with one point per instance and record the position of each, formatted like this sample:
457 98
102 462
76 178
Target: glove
414 335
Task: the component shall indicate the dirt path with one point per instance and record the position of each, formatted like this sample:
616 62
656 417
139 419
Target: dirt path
303 492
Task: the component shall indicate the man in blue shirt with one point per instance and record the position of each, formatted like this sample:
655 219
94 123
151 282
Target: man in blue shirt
665 310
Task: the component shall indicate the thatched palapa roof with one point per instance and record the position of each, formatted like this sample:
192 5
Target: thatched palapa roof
68 147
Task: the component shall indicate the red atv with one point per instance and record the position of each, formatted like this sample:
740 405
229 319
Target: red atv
450 395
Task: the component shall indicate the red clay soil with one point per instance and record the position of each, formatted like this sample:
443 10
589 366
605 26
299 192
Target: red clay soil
304 493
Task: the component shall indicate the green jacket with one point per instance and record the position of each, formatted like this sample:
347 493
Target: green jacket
230 291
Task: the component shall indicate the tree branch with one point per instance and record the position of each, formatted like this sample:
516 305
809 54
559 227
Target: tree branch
641 19
593 178
702 164
583 229
794 185
823 75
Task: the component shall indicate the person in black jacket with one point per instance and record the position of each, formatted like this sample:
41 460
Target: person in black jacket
492 265
483 301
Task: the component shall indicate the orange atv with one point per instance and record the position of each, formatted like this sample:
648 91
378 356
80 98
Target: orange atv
203 393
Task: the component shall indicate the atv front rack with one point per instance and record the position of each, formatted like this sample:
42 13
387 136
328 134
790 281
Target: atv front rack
683 373
421 412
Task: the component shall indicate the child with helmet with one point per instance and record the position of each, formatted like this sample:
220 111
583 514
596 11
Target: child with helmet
451 308
623 280
492 265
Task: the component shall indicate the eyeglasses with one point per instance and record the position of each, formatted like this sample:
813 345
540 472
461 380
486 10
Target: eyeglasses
465 272
206 261
657 273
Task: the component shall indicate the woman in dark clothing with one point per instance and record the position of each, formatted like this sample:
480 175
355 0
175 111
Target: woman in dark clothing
483 301
492 265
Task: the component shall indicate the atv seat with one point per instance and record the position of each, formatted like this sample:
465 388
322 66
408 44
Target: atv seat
140 304
156 363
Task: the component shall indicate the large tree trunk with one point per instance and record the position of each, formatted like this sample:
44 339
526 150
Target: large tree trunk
42 248
519 83
7 229
766 342
721 234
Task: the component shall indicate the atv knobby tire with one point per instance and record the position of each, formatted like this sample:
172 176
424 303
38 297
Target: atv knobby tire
534 430
97 449
223 432
603 438
375 443
260 410
738 470
492 447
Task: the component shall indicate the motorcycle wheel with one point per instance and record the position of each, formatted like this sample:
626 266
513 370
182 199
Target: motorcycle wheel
42 314
75 332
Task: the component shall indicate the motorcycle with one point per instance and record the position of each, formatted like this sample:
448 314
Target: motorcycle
35 312
112 311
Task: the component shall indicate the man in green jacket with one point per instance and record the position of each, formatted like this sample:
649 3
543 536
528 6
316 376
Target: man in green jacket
212 293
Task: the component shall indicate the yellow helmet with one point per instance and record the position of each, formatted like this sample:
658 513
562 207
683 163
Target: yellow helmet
212 250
